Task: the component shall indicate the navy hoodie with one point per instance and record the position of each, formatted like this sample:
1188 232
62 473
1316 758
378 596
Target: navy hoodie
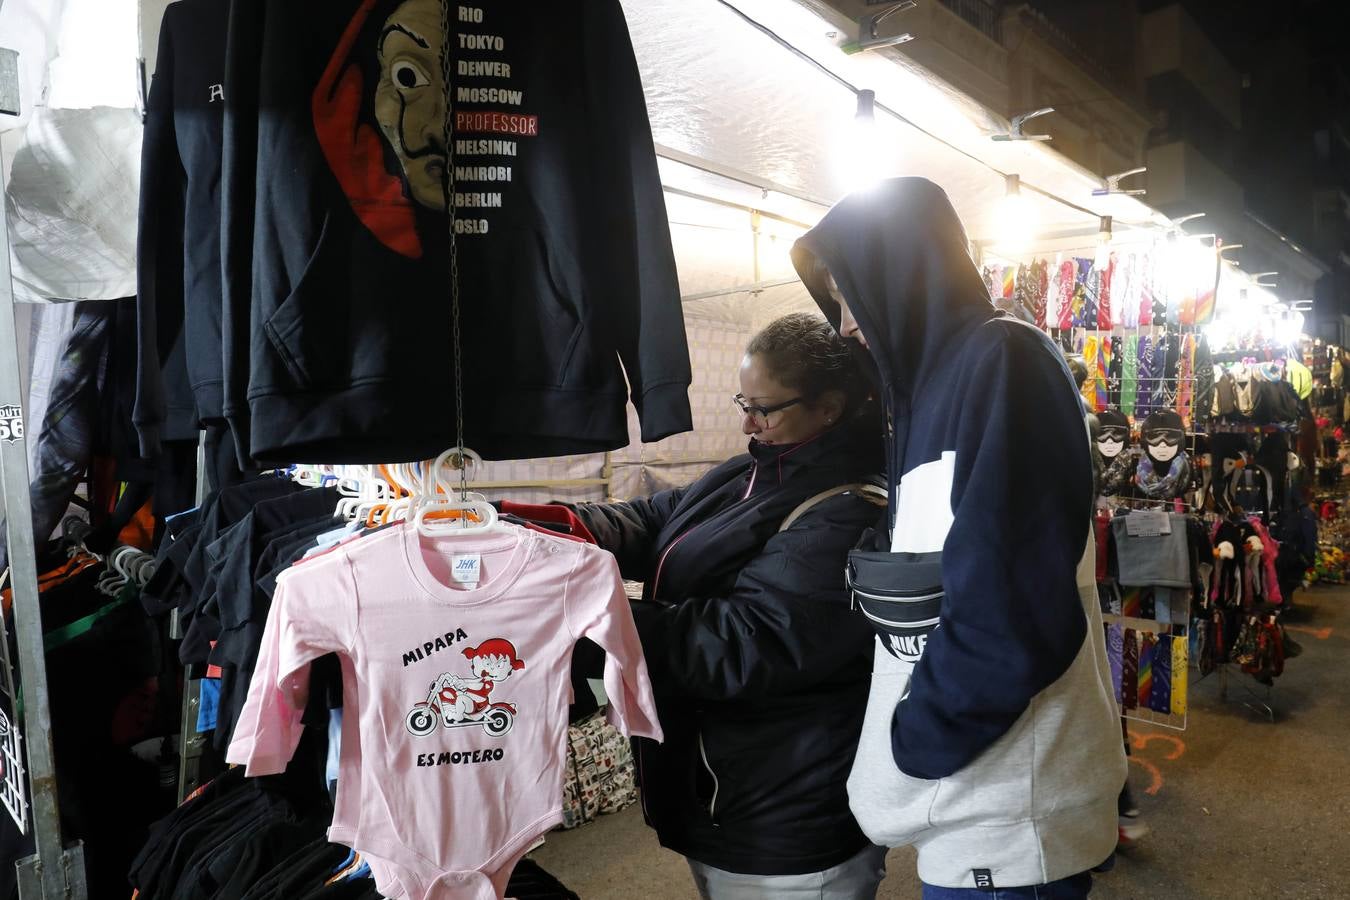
997 751
997 395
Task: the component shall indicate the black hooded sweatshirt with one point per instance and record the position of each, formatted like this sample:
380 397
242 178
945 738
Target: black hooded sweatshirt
989 439
332 172
178 291
760 672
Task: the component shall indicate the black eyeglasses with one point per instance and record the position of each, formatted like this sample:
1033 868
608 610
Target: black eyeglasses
760 414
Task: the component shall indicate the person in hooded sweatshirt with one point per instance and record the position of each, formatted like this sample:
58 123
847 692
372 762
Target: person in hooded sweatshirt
991 741
760 670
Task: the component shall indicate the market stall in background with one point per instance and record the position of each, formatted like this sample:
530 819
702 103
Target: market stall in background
1219 420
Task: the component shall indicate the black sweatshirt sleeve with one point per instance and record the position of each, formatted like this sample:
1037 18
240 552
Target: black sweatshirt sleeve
238 191
629 529
641 305
784 626
159 255
1012 621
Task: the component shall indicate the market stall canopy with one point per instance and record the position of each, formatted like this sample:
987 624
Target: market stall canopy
761 87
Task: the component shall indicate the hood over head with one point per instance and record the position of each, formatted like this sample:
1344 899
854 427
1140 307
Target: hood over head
900 258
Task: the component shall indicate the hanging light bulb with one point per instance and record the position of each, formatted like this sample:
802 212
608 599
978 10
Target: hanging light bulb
1103 242
1015 220
859 162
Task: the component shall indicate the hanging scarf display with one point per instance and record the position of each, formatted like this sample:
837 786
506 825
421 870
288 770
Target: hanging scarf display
1009 282
1145 694
1180 662
1105 322
1129 670
1160 698
1163 487
1129 375
1143 405
1040 289
1115 372
1186 379
1091 359
1118 474
1067 280
1115 651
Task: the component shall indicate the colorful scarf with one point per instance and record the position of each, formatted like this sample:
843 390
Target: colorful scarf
1125 292
1186 380
1143 405
1091 359
1115 372
1132 603
1163 487
1040 290
1147 643
1160 699
1163 393
1129 375
1129 671
1085 296
1118 474
1066 292
1100 384
1145 276
1180 660
1104 293
993 279
1115 652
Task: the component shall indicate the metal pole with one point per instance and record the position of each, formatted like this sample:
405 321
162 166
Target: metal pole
53 873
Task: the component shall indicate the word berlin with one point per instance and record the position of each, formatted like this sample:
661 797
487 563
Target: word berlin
497 123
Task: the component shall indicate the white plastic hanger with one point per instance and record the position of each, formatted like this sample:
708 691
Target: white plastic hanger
441 500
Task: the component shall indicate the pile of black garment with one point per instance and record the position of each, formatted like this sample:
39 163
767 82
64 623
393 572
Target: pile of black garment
218 569
265 839
113 703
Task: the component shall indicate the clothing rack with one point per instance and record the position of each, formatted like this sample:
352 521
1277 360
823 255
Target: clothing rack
54 871
1255 700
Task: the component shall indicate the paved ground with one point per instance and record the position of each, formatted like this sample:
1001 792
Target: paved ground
1246 811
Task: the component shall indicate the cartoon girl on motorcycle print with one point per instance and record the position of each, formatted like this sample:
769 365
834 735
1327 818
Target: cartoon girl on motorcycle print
459 702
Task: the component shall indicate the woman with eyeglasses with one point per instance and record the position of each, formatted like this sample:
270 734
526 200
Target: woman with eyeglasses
761 670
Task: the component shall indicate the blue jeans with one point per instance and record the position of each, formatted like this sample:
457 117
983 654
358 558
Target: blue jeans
1075 887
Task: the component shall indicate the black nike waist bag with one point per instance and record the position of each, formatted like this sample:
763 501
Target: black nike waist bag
901 596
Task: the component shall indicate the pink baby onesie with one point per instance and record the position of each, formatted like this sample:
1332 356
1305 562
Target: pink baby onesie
458 688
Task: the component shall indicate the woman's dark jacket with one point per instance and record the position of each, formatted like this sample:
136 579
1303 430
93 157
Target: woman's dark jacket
761 669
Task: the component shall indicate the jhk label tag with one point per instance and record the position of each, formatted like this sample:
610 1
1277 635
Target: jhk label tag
464 569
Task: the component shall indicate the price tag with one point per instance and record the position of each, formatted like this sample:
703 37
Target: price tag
1148 523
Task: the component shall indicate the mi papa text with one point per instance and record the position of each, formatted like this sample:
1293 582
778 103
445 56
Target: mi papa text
466 757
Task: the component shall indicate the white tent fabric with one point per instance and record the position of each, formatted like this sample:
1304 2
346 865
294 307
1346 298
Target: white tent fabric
75 148
72 202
